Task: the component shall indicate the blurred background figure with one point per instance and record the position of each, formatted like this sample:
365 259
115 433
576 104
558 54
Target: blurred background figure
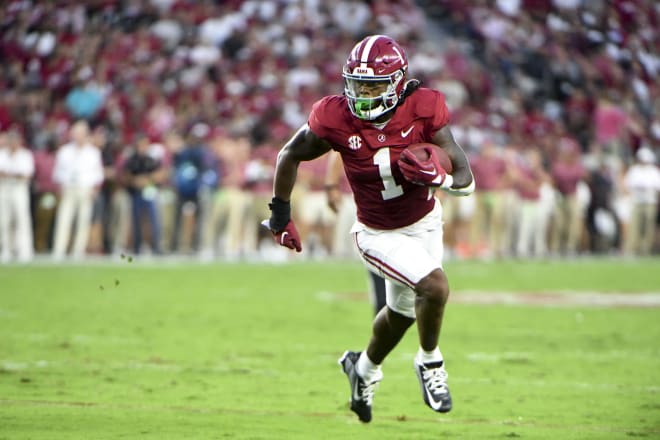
173 143
602 220
258 182
120 206
457 217
143 173
44 192
16 170
78 171
567 174
315 219
642 183
85 100
340 200
489 171
191 184
530 181
225 231
101 226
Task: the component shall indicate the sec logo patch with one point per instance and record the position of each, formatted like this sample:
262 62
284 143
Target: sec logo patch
354 142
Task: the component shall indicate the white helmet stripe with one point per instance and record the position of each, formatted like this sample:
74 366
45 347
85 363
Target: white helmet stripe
354 53
367 48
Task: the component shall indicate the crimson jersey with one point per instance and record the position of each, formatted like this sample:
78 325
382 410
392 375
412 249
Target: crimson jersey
384 198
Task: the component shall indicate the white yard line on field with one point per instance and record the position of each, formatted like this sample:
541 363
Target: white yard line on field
540 299
559 299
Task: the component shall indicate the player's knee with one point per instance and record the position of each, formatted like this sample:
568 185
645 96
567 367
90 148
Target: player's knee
434 287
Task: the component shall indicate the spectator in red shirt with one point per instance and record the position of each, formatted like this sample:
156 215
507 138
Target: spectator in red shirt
567 173
488 224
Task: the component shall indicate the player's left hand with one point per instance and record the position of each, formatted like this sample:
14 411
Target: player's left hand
427 172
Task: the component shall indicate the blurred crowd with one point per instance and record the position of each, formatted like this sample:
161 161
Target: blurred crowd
152 126
557 103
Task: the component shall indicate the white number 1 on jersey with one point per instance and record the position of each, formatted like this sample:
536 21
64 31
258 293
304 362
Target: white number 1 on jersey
382 160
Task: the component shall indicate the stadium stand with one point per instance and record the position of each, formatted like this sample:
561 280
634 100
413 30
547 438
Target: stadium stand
558 77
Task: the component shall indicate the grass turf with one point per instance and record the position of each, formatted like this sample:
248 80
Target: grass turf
249 352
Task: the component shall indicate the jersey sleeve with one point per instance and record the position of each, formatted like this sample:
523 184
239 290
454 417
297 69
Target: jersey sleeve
326 116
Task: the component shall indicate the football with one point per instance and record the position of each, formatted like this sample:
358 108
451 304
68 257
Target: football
419 151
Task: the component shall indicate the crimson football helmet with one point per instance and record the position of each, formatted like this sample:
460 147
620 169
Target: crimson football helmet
374 76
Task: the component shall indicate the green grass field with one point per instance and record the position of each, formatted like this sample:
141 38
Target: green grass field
239 351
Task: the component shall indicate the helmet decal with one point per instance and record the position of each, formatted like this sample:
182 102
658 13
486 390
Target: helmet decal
395 49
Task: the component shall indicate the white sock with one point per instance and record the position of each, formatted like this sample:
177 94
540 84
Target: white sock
429 356
367 369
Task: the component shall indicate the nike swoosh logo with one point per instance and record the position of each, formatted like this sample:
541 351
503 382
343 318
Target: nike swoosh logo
407 132
356 394
435 405
428 393
430 173
284 234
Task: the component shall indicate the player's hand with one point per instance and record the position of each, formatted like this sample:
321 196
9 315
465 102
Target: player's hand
287 237
427 172
281 225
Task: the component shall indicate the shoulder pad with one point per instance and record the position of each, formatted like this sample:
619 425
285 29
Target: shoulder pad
425 102
329 113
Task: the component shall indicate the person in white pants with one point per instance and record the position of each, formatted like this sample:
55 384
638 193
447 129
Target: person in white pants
534 201
79 172
16 170
642 182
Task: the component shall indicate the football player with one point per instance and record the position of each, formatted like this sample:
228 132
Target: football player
398 231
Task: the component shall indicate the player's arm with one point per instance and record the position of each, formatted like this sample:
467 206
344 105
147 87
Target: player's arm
462 179
303 146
